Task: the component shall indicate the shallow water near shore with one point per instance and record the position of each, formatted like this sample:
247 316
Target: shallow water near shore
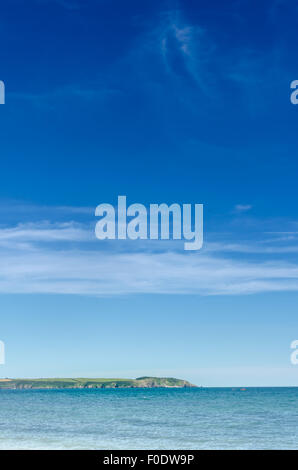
207 418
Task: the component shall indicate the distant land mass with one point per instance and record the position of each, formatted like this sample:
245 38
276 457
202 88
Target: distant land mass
140 382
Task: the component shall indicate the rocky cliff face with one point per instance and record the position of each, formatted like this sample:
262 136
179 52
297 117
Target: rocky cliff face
153 382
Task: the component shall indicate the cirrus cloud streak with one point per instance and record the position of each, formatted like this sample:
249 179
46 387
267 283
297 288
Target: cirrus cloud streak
64 259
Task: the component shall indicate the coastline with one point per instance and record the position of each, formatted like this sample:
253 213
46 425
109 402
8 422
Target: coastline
92 383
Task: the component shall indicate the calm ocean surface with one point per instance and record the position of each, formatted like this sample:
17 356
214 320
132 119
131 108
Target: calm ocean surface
258 418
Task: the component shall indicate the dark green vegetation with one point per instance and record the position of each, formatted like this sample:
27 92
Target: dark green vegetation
141 382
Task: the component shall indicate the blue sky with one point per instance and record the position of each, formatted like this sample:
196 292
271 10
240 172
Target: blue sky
185 102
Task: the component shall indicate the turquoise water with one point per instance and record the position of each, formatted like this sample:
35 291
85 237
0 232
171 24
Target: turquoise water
258 418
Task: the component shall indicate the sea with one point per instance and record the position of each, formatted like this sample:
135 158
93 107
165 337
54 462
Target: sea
194 418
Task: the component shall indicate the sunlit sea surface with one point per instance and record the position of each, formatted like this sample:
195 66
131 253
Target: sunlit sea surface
211 418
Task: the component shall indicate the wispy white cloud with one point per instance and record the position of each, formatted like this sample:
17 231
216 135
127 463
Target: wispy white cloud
17 212
191 51
34 261
184 47
64 257
45 232
242 208
252 248
98 273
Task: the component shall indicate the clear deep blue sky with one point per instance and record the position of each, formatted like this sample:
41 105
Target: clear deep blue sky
162 101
